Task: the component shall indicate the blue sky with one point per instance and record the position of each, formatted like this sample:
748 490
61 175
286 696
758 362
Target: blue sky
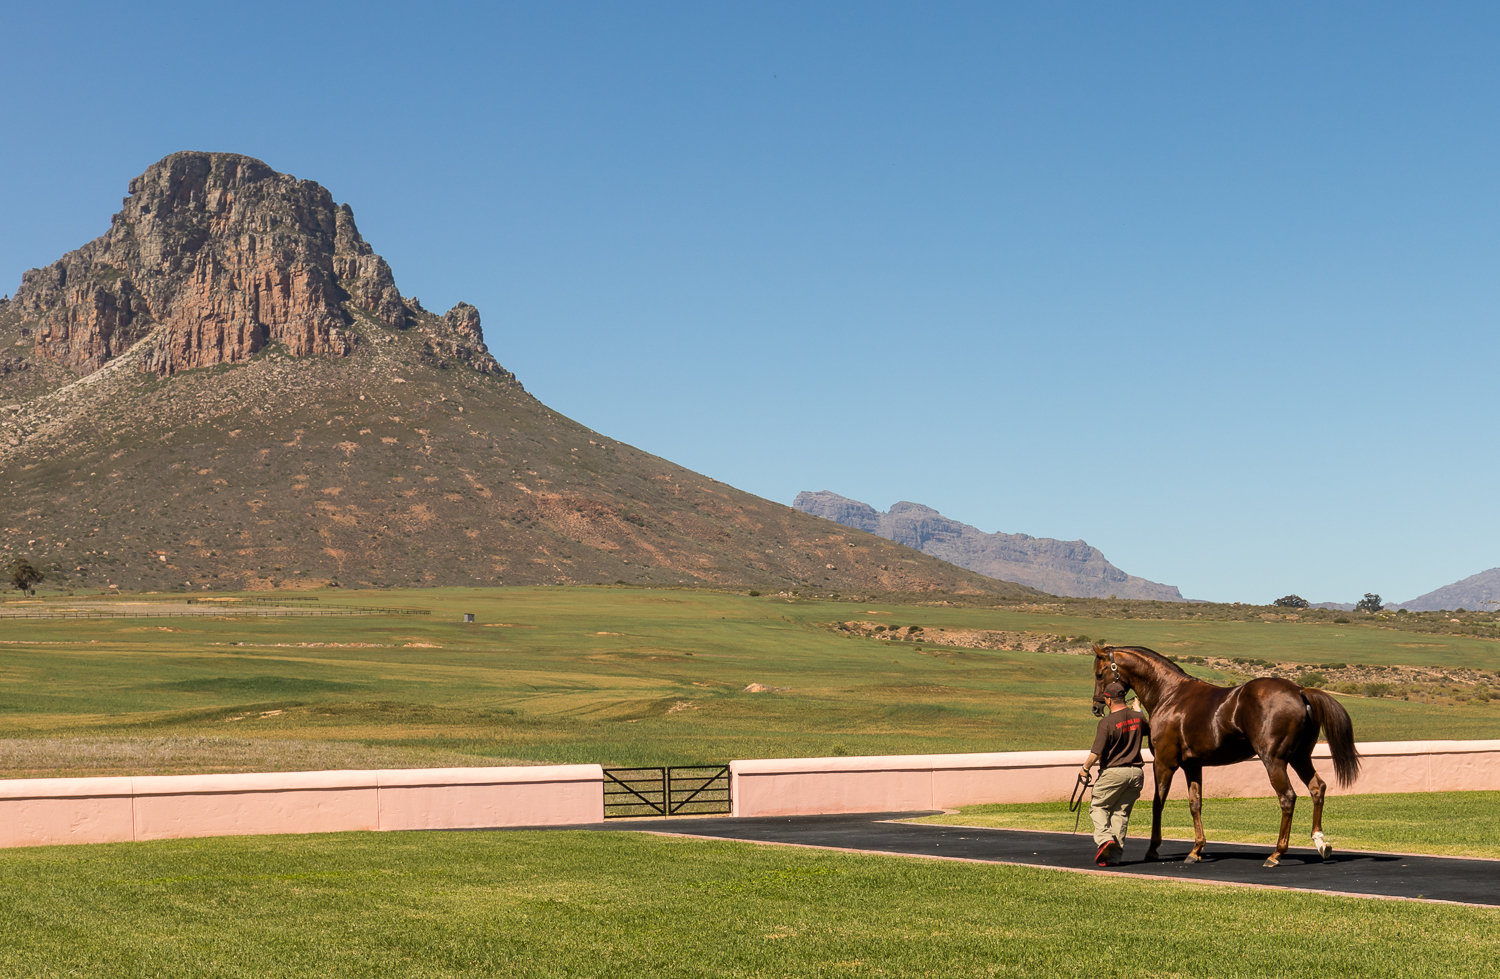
1211 286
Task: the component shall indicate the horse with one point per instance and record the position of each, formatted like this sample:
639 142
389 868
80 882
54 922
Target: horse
1195 723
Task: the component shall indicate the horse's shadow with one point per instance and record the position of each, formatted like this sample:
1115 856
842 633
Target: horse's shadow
1243 855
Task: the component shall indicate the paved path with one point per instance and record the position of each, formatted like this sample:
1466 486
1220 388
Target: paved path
1357 873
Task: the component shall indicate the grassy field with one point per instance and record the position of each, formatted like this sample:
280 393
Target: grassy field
633 676
573 903
613 675
1462 824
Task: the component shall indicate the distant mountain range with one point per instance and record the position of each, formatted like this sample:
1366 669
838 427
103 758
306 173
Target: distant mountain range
1068 568
1477 593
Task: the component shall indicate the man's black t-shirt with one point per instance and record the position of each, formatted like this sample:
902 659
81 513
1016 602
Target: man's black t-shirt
1118 738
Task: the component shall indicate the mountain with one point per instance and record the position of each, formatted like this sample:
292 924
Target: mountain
1477 593
227 390
1070 568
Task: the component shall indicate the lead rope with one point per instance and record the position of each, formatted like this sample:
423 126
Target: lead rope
1075 801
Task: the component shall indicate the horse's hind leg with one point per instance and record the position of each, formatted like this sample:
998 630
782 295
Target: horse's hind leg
1316 790
1276 769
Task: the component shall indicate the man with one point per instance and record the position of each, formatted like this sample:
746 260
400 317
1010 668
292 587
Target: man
1117 749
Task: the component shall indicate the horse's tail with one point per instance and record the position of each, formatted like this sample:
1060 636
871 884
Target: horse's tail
1334 720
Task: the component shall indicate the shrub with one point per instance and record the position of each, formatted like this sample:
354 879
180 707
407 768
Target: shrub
1311 679
23 576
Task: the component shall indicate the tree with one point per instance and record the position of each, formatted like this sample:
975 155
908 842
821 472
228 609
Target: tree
23 576
1370 603
1292 601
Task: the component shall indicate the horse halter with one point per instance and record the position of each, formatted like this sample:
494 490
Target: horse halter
1115 669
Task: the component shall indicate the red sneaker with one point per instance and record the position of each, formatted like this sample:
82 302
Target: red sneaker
1108 854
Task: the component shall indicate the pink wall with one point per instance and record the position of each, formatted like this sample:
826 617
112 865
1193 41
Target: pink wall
41 811
37 812
899 783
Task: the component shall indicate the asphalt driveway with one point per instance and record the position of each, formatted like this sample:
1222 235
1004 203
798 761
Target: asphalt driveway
1368 874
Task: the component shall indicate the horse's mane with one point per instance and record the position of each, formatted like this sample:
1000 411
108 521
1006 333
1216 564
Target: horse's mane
1150 655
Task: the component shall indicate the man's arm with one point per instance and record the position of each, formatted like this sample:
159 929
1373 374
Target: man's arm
1101 741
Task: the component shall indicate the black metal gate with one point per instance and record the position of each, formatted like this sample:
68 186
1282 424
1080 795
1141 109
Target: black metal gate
682 790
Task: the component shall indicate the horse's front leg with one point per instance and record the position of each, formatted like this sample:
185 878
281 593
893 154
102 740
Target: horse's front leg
1162 773
1276 769
1194 774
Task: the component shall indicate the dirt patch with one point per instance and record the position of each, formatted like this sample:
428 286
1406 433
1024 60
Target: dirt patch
1031 642
1434 685
1422 684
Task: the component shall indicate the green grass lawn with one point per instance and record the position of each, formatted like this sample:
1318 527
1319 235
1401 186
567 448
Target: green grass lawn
610 675
1452 823
575 903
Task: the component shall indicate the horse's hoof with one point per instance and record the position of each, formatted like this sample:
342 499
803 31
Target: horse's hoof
1152 855
1272 861
1194 857
1326 852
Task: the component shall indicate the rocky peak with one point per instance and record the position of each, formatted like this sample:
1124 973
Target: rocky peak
839 509
464 321
212 257
1070 568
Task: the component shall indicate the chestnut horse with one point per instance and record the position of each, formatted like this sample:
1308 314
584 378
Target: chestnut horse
1195 723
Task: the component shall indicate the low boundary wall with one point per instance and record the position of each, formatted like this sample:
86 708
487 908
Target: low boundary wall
42 811
902 783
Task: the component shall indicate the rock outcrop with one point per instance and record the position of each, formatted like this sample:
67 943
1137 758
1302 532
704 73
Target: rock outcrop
1068 568
212 258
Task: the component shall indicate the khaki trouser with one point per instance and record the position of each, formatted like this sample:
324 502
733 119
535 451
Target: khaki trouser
1115 792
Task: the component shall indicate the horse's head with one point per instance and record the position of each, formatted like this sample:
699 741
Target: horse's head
1106 671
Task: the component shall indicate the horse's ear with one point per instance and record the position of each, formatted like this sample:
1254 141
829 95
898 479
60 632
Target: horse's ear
1098 648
